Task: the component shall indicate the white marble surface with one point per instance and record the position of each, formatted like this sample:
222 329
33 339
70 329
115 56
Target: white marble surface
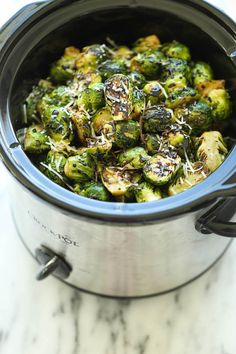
52 318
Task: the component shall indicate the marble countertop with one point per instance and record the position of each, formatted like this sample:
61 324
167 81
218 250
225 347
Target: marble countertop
49 317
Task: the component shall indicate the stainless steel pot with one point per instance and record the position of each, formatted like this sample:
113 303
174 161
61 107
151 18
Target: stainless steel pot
114 249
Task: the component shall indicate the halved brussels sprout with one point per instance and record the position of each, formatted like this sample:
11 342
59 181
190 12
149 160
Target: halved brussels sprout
156 119
126 134
146 43
148 63
134 158
36 139
160 169
138 103
118 95
201 72
118 180
111 67
95 190
155 92
182 97
137 79
92 98
152 143
177 50
99 146
212 150
82 124
92 56
198 173
64 68
80 168
53 167
145 192
101 119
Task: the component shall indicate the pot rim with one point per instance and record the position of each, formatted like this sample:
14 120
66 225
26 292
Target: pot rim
198 196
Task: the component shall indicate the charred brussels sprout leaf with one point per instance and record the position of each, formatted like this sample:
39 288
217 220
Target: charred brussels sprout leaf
134 158
145 192
80 168
126 134
212 150
198 174
176 50
36 139
95 190
156 119
160 169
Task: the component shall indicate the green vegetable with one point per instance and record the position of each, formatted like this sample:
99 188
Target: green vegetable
64 69
126 134
118 181
177 50
133 158
36 139
146 43
80 168
201 72
145 192
111 67
53 167
96 191
148 63
156 119
92 98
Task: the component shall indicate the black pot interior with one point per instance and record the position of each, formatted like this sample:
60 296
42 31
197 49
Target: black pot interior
123 25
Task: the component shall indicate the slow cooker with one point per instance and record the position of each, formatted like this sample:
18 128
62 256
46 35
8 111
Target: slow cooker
114 249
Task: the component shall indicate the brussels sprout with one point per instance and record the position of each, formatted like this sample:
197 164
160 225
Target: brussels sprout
101 120
156 119
138 100
212 150
177 50
127 134
80 168
137 79
145 192
63 69
36 139
92 56
198 174
148 63
111 67
92 98
60 96
58 124
118 181
99 146
118 95
178 138
82 124
33 99
83 80
198 115
155 92
122 53
146 43
160 169
201 72
176 73
134 158
53 167
152 143
95 190
182 97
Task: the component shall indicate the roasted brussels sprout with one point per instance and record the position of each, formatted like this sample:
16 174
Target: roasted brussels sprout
160 169
197 174
201 72
36 139
212 150
148 63
92 98
80 168
137 79
198 115
64 69
126 134
53 167
102 121
32 100
155 92
156 119
118 94
147 43
118 181
111 67
177 50
134 158
182 97
82 123
119 122
95 190
145 192
152 143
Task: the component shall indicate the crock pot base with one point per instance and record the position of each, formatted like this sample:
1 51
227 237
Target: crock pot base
129 297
